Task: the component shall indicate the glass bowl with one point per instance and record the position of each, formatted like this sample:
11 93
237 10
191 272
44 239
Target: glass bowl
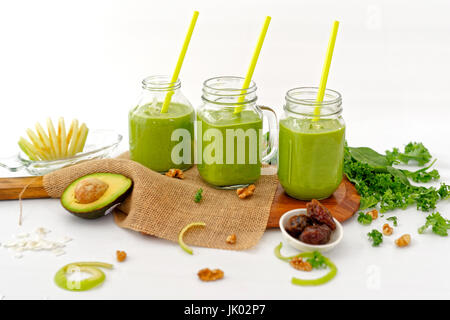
100 144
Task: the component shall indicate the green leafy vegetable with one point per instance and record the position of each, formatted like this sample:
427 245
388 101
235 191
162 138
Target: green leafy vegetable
422 175
317 261
376 237
198 195
364 218
394 220
413 151
378 183
439 225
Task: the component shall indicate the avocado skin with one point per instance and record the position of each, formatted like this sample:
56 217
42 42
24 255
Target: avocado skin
100 212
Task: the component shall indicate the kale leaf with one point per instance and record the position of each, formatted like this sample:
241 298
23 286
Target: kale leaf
376 237
378 183
317 261
198 195
413 151
439 225
364 218
394 220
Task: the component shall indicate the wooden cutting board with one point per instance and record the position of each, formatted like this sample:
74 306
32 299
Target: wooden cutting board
343 203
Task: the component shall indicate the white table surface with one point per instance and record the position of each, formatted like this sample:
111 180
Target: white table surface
85 59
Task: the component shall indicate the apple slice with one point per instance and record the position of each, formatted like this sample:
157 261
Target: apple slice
28 149
62 137
53 139
73 133
37 144
45 140
82 135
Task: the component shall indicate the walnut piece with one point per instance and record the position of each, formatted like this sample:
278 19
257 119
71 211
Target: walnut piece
299 264
231 239
175 173
246 192
373 214
403 241
121 255
89 190
387 229
210 275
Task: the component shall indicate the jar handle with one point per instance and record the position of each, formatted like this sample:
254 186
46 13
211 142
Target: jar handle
272 145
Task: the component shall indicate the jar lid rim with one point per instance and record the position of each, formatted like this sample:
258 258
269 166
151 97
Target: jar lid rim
312 102
251 87
160 82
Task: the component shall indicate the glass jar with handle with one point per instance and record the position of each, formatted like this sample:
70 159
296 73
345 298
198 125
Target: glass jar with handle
230 133
311 144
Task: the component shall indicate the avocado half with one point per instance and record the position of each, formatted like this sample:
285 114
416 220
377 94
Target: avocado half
118 188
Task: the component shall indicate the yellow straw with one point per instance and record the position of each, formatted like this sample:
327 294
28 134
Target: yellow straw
325 70
252 66
169 94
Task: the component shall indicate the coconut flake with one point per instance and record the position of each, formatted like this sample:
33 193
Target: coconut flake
36 241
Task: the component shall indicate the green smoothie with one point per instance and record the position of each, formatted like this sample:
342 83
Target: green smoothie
154 141
231 147
311 157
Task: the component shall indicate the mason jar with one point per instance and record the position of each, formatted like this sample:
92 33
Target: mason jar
311 144
230 133
162 141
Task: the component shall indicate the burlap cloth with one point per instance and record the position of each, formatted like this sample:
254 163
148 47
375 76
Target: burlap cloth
161 206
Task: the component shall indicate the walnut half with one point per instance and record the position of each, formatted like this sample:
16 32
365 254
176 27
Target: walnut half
403 241
387 229
175 173
231 239
210 275
299 264
246 192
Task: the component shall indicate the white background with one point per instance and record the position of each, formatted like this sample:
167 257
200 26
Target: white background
86 59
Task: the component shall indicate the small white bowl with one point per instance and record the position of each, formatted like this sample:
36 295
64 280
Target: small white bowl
336 235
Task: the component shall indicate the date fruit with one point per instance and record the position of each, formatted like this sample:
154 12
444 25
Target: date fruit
320 214
316 234
297 224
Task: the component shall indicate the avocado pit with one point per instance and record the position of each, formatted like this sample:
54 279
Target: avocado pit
90 190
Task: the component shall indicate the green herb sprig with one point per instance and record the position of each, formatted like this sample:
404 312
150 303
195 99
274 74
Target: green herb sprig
317 261
376 237
439 225
364 218
394 220
414 151
198 195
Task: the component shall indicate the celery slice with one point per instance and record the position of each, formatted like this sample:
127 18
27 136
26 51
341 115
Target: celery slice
308 282
97 275
183 245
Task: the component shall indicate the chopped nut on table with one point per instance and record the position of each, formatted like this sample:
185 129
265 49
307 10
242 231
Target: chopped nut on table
299 264
387 229
175 173
121 255
373 214
231 239
246 192
210 275
403 241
